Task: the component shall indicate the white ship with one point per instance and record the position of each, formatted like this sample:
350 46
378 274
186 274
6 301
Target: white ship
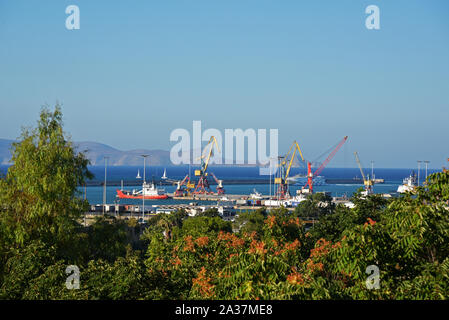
300 197
255 195
149 191
408 184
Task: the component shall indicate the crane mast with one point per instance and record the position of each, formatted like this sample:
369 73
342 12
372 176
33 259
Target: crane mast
285 167
368 183
311 175
181 189
203 186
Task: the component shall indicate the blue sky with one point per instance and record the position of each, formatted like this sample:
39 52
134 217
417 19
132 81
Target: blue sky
137 70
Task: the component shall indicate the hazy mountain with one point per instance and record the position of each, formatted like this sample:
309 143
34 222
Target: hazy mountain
96 152
5 154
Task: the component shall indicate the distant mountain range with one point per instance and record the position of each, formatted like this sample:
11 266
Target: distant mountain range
96 152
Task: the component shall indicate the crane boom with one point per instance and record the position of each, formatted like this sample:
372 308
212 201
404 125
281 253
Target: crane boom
360 166
311 175
202 186
366 181
211 143
284 173
329 158
295 147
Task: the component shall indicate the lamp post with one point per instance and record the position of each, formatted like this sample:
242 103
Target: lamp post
270 182
143 186
85 198
427 163
104 185
419 169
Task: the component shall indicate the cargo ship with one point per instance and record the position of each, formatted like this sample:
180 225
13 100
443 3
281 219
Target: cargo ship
149 191
408 184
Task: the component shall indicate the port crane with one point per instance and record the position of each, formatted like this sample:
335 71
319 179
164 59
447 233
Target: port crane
308 187
183 187
220 189
285 165
203 187
366 180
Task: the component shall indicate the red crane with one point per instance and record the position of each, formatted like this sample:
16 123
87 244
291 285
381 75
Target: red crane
311 175
220 189
180 189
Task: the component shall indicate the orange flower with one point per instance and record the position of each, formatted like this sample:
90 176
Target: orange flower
295 221
189 246
176 262
321 248
295 278
337 245
292 246
232 255
232 241
202 241
271 220
315 266
203 285
257 247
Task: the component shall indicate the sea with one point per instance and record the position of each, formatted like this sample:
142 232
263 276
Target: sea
237 176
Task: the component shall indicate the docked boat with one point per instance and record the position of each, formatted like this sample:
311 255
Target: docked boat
296 200
255 195
149 191
408 184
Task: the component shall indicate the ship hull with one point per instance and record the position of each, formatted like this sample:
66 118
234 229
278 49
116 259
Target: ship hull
123 195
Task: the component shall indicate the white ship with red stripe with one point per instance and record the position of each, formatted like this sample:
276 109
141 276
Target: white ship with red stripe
149 191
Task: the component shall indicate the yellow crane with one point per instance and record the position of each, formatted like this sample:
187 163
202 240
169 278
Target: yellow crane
284 173
203 185
205 164
366 181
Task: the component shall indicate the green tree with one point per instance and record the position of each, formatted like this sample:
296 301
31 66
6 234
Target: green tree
108 238
250 221
39 197
316 206
211 213
201 226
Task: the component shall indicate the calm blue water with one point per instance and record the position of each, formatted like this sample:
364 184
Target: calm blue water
115 174
95 193
393 177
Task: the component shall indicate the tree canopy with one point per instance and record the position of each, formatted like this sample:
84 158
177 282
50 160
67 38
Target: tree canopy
264 254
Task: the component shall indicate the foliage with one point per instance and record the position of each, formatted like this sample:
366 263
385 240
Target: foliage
316 206
262 255
250 221
38 197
